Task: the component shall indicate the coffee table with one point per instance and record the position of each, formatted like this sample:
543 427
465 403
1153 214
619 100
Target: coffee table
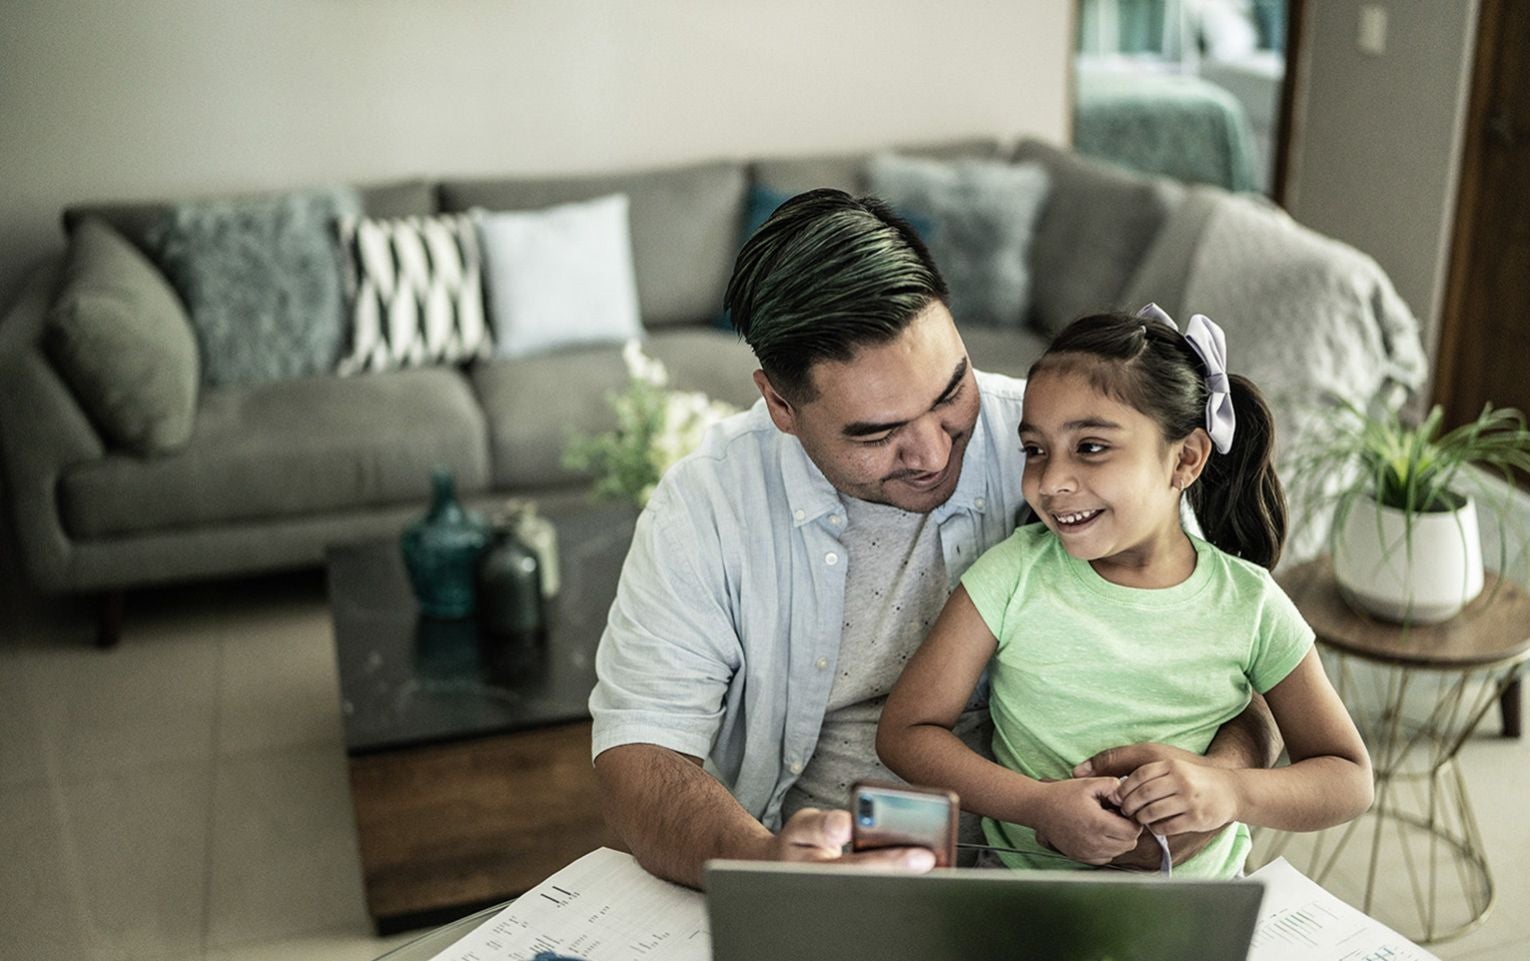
469 756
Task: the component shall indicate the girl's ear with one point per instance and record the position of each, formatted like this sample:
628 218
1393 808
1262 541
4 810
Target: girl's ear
1190 459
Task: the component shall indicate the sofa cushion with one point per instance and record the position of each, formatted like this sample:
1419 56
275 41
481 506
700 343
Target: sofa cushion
1095 228
685 224
561 277
847 171
302 447
528 448
135 221
1010 352
119 337
261 279
980 216
414 292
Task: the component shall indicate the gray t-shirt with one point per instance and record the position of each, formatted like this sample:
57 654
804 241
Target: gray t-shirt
896 584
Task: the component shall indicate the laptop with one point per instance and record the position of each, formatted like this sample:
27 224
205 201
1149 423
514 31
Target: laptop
761 911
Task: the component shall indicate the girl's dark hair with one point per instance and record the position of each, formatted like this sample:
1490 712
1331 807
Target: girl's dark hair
826 275
1148 366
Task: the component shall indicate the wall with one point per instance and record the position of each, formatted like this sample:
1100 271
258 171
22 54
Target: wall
170 98
1378 139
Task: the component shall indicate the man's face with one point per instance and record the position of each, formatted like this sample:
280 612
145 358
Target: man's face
890 425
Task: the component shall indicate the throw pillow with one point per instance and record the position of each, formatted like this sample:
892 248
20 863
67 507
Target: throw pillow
560 277
981 215
415 292
260 277
121 341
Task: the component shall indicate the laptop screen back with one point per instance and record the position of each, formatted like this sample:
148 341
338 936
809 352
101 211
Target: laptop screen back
775 912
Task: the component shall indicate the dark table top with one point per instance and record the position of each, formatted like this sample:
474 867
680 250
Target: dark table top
407 680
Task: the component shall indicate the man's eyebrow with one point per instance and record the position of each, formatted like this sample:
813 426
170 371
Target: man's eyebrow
1086 423
861 428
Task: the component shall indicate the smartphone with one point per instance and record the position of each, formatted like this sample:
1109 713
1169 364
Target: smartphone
902 815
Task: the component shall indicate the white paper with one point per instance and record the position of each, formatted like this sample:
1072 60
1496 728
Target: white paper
1300 921
603 907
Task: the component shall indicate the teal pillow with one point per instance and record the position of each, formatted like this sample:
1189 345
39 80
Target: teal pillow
121 341
261 279
763 202
982 216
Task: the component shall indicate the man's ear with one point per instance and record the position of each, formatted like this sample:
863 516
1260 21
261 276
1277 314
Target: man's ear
1194 451
781 410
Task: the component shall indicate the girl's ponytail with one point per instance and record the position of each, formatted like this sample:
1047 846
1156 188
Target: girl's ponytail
1238 500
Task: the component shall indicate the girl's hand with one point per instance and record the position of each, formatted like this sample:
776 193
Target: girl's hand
1074 819
1179 795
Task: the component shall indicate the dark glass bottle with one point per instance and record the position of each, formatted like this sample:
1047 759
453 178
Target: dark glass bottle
510 602
441 552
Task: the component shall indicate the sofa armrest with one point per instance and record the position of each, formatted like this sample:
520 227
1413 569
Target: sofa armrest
42 431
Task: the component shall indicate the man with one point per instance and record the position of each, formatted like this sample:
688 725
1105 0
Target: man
781 575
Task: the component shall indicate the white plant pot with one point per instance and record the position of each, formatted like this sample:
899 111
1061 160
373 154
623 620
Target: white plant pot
1424 582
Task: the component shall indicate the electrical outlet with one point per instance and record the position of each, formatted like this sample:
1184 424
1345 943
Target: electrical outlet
1372 37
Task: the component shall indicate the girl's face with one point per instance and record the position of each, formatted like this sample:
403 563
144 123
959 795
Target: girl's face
1101 475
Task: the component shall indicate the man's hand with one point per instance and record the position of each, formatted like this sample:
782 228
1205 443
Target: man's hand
1075 821
1178 796
815 835
1121 761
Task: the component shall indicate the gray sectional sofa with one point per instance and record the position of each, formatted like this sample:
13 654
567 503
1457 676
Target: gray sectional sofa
274 473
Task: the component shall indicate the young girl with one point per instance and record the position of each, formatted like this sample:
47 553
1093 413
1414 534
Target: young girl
1109 624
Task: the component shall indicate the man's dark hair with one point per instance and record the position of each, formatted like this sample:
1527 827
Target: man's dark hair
826 275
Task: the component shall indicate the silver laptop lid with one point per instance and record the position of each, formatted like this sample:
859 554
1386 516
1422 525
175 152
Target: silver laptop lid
783 912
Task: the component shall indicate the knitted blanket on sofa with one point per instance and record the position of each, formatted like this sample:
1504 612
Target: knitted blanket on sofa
1305 315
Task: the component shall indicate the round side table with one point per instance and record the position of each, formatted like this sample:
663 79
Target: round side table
1416 692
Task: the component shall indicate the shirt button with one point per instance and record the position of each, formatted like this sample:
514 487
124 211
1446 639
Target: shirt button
980 503
799 515
831 558
834 519
795 767
823 663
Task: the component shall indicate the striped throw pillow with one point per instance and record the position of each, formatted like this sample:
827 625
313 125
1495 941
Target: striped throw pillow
415 288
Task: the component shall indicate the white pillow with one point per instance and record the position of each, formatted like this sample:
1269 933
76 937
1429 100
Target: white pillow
560 277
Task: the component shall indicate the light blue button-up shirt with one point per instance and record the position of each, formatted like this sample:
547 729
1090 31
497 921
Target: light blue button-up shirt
722 640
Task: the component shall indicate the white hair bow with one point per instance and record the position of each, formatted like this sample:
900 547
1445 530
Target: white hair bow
1210 344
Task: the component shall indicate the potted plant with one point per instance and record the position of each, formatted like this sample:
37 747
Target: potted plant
1404 536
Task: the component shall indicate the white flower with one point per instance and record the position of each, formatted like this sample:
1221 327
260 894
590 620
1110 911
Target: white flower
642 367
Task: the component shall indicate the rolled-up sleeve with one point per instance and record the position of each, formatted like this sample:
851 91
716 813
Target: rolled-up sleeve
670 650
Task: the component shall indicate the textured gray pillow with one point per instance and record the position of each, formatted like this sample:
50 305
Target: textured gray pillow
120 339
1098 224
261 278
981 216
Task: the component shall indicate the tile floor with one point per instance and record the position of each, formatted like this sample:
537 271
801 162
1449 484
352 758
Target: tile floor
184 796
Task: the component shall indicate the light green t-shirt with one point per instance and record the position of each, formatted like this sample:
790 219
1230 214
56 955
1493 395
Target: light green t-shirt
1084 664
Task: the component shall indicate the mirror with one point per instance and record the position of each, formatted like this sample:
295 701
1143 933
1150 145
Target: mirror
1191 89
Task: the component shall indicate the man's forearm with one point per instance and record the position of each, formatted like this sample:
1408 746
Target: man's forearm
672 815
1250 740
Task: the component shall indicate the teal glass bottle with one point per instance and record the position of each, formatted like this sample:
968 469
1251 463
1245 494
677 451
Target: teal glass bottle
441 552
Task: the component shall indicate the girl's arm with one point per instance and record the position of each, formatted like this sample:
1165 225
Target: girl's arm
914 740
1328 781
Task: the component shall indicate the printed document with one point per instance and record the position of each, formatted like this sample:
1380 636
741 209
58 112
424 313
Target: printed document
1300 921
603 907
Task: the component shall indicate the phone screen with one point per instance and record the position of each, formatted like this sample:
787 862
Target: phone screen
903 816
